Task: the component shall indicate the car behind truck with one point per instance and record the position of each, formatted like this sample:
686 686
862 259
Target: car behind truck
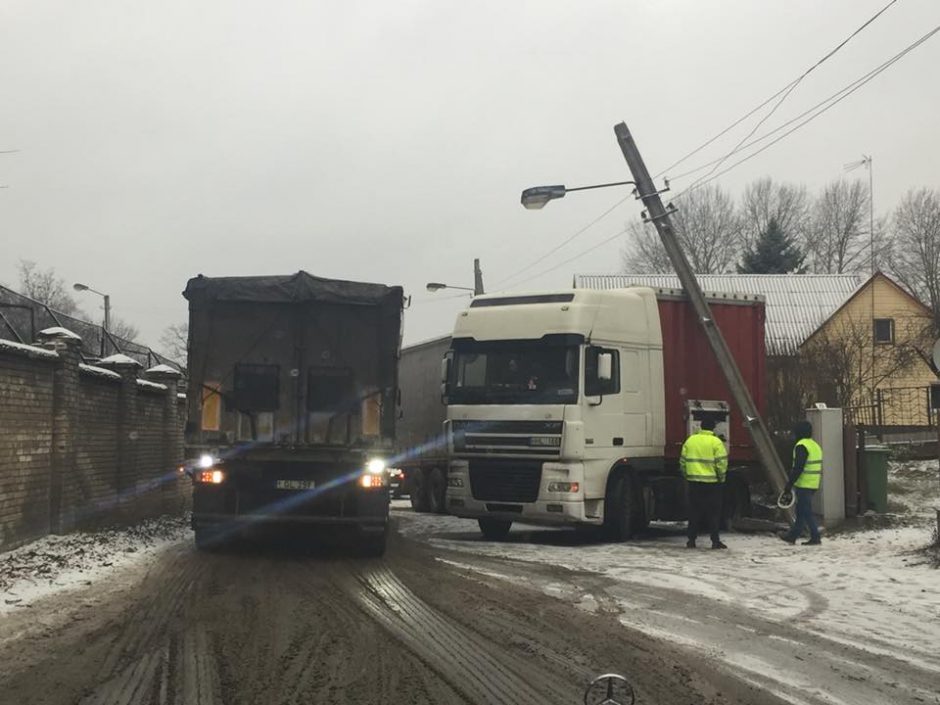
570 408
292 404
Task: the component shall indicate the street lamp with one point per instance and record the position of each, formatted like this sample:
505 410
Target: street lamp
437 286
537 196
107 309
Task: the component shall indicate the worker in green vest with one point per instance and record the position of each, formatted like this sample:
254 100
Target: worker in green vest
704 464
805 476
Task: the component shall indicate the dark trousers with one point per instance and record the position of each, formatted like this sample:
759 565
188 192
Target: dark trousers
804 514
705 508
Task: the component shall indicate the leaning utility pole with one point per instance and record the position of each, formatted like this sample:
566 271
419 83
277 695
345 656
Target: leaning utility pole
477 278
659 216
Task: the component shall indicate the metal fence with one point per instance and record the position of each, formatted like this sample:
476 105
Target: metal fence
21 318
896 406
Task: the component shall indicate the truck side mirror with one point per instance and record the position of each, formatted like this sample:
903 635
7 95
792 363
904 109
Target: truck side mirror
605 367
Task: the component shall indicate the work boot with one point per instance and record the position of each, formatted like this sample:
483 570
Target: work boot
812 542
718 544
789 539
690 543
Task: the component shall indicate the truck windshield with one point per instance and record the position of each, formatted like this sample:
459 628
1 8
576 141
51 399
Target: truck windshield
514 372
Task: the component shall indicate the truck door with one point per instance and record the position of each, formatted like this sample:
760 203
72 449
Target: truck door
616 413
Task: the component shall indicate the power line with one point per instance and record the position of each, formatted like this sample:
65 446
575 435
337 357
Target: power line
574 257
564 242
828 104
783 93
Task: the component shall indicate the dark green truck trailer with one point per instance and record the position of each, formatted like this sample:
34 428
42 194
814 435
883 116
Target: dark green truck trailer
292 398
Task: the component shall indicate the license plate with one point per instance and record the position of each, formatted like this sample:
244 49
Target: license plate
296 484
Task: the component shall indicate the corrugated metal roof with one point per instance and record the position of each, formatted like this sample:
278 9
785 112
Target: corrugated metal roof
797 304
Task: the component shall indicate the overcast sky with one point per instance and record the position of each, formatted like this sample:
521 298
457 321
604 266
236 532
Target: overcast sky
389 141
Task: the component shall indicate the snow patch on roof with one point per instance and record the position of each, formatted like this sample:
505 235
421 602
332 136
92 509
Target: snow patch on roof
119 359
163 369
151 385
60 332
99 372
27 350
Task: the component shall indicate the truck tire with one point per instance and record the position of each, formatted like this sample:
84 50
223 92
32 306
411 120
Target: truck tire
736 502
623 514
437 491
374 545
494 529
418 491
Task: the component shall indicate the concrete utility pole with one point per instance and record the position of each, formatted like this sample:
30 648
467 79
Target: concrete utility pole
660 218
477 278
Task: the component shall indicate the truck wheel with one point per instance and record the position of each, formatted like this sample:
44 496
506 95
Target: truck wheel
437 491
373 545
623 515
494 529
419 490
736 503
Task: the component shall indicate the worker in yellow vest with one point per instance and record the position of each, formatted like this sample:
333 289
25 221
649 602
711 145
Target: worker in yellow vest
805 476
704 464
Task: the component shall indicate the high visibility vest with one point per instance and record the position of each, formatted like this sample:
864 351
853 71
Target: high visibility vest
812 472
704 458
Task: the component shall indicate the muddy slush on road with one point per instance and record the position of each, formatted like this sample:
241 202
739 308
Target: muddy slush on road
295 625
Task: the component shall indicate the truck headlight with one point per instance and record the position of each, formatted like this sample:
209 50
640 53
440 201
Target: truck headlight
211 477
376 466
563 486
455 482
206 461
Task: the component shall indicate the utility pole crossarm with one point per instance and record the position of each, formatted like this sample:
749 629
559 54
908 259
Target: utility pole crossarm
659 216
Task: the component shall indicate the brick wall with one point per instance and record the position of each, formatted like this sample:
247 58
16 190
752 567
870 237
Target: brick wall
83 447
25 445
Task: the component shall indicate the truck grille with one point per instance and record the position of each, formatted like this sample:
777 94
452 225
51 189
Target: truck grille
505 480
532 438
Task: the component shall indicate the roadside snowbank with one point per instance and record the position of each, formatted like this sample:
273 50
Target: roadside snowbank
56 563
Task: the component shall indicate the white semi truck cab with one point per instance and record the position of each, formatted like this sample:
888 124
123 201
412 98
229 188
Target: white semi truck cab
557 407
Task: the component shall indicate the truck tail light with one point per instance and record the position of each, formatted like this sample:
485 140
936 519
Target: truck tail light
371 482
210 477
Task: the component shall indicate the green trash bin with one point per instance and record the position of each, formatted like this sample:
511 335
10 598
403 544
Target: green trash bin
876 477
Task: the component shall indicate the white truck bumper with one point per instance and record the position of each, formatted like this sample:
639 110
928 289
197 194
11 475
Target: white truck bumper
549 508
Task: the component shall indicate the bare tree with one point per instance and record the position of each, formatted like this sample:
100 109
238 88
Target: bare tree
765 200
45 286
175 341
124 330
708 228
837 239
915 258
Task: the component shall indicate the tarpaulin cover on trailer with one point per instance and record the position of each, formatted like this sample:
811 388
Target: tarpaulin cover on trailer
292 288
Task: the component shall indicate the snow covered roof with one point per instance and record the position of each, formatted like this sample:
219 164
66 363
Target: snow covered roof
27 350
164 369
151 385
59 332
99 372
796 304
119 359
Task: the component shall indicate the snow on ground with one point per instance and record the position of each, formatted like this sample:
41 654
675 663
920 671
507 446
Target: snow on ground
873 589
56 563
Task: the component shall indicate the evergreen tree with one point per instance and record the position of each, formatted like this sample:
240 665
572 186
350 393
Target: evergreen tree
774 252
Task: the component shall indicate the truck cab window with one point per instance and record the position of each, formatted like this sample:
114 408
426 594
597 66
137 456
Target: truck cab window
256 387
331 389
594 387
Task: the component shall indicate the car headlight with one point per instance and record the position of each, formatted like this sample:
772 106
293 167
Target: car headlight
376 466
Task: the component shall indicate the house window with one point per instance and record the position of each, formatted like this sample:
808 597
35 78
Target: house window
884 330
